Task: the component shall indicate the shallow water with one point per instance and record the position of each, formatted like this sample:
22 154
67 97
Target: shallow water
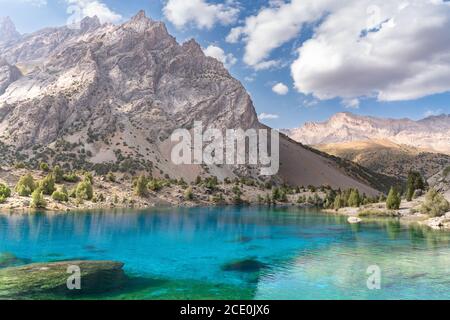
287 253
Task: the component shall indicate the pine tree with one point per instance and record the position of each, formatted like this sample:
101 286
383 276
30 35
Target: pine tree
393 200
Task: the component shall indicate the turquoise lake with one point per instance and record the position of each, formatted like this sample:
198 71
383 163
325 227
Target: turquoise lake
183 253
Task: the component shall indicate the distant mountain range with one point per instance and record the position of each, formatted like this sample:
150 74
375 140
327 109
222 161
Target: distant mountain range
387 146
107 97
430 134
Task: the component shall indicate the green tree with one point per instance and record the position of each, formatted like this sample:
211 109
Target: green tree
37 199
26 185
58 174
393 200
435 204
84 190
339 202
415 182
354 199
276 194
47 185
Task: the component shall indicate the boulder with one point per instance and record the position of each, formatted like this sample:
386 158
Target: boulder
49 280
354 220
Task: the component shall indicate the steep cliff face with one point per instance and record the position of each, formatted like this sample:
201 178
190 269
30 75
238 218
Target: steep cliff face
107 97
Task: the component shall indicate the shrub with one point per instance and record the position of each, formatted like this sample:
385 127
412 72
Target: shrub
44 167
276 194
393 200
435 204
26 185
188 194
47 185
71 177
155 185
60 196
88 176
111 177
237 195
446 172
141 186
84 190
37 199
376 213
5 191
58 174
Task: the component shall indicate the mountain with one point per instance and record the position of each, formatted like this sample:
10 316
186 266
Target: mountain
431 134
8 30
441 182
107 98
386 157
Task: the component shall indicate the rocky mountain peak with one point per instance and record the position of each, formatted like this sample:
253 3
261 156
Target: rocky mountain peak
8 30
90 23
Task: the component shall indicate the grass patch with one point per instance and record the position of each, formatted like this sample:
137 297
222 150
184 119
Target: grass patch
376 213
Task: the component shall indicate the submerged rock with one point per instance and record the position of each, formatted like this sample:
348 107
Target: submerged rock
10 260
247 265
50 279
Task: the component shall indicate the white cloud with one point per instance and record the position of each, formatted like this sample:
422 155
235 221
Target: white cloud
216 52
392 50
91 8
430 113
281 89
351 103
202 14
268 116
275 25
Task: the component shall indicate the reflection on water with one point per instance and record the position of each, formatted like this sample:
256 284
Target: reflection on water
240 253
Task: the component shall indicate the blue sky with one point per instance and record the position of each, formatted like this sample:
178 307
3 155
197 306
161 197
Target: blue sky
301 57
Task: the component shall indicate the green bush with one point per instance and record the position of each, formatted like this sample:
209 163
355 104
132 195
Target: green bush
71 177
37 199
26 185
188 194
376 213
141 186
44 167
5 191
155 185
393 200
435 204
47 185
58 174
111 177
60 196
84 190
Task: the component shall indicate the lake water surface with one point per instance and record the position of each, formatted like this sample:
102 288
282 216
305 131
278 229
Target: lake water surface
283 253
